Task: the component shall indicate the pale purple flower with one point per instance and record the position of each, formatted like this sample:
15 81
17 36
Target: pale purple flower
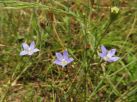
108 56
28 50
63 59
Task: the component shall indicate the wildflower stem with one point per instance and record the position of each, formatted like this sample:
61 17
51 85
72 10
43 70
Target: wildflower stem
23 71
102 36
85 59
55 32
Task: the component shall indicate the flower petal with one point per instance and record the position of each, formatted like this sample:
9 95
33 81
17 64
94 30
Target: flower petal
104 50
25 46
102 55
58 62
111 53
65 54
69 60
59 56
35 50
22 53
113 59
32 45
30 53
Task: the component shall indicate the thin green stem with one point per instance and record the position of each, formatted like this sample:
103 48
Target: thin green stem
85 60
102 36
22 72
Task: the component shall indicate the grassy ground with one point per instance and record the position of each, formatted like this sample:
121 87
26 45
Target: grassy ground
81 27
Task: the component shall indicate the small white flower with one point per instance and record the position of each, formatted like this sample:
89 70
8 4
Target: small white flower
28 50
63 59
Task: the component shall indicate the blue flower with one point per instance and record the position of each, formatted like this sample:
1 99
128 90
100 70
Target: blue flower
28 50
63 59
108 56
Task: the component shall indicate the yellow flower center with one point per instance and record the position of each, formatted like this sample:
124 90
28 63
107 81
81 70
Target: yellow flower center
107 57
30 51
63 62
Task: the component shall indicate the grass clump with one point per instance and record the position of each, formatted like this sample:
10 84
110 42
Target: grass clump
81 27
